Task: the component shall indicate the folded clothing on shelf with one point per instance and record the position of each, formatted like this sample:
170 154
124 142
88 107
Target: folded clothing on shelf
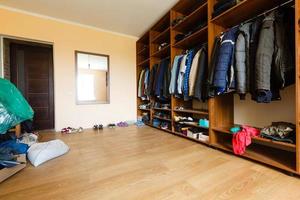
280 131
223 5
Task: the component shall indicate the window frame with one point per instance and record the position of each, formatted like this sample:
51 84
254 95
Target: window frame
78 102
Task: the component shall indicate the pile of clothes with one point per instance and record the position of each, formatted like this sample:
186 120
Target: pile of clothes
11 148
277 131
223 5
256 57
189 74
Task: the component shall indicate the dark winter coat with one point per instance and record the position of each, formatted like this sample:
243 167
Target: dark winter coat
224 72
200 84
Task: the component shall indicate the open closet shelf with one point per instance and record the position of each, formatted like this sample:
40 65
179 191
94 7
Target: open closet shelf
193 139
193 19
200 112
263 141
196 38
144 52
186 7
161 118
162 37
273 157
244 11
219 110
194 125
144 63
144 109
163 53
162 24
162 109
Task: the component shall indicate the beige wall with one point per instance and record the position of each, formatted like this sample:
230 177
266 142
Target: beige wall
251 113
66 39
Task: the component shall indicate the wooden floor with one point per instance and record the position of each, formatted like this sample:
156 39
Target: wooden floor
132 163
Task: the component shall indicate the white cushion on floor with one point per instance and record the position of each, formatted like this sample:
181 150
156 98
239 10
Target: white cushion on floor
39 153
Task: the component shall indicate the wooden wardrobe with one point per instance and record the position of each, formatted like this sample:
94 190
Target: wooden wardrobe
219 110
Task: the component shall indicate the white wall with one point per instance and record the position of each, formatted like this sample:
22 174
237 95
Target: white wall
260 115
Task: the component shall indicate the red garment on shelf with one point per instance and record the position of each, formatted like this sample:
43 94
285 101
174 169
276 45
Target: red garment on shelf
242 139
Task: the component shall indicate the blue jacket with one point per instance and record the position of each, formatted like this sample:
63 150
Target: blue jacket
224 72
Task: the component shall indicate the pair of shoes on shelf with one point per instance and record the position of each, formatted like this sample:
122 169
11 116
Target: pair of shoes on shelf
98 127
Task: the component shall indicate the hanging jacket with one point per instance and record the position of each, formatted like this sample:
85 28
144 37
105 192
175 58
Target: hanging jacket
284 55
264 58
160 77
166 80
242 60
181 74
146 83
254 39
152 79
140 88
200 86
187 74
193 73
177 75
174 74
212 67
223 81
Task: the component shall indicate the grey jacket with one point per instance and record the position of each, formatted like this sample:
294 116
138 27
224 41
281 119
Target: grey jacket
264 54
242 60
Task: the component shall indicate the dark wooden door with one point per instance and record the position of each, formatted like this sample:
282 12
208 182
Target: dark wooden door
32 73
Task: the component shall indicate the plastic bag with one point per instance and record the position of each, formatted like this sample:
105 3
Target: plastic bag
14 109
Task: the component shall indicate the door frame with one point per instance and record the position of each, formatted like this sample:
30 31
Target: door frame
3 37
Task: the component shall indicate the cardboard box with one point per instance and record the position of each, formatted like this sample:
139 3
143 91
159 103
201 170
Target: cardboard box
8 172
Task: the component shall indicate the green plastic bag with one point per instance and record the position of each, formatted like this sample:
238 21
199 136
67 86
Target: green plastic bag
14 109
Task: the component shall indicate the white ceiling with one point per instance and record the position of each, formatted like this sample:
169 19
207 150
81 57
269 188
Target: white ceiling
130 17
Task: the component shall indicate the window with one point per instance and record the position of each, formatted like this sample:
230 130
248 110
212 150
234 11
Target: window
92 80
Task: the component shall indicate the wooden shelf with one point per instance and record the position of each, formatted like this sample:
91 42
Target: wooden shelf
164 119
186 7
195 39
194 125
200 112
163 53
243 11
162 24
182 135
191 20
144 63
162 109
162 37
144 109
143 52
264 141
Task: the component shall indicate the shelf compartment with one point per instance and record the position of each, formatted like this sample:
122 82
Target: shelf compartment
161 118
142 109
162 109
267 155
193 40
144 63
243 11
162 24
144 52
168 130
200 112
194 125
187 6
162 37
264 141
193 139
163 53
192 19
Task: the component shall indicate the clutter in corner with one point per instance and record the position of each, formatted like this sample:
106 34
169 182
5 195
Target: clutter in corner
15 110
